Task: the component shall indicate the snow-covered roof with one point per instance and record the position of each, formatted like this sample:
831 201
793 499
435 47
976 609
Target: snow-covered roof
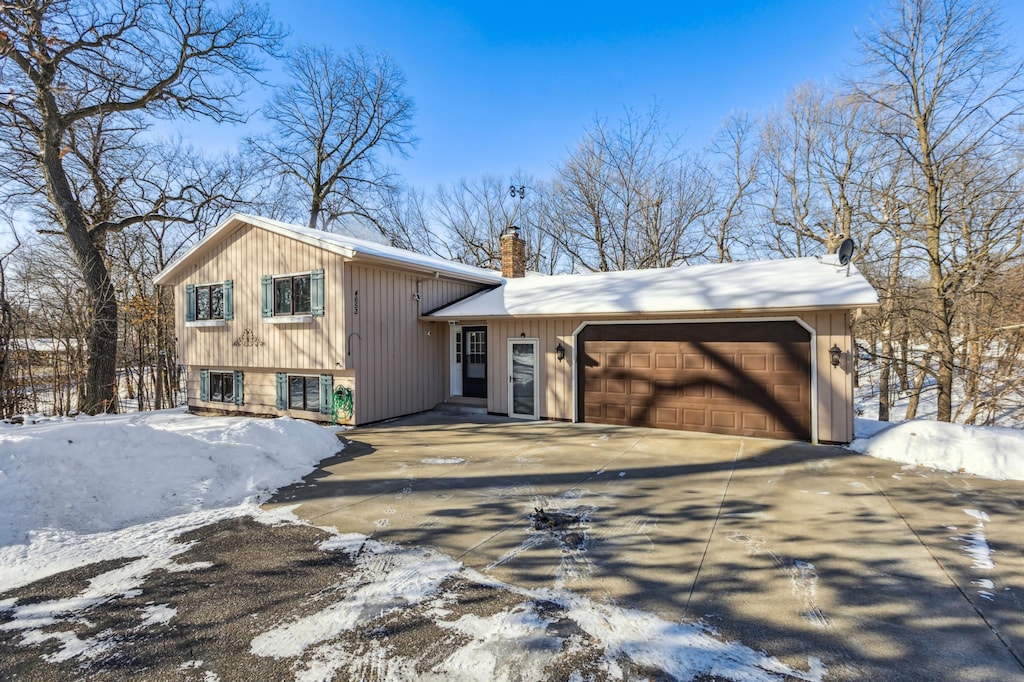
794 283
349 247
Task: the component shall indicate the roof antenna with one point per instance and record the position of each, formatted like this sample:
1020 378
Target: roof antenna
514 192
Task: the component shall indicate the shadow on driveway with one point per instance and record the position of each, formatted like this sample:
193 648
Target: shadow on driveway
794 549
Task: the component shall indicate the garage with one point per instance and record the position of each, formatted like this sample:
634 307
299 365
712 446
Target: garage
735 378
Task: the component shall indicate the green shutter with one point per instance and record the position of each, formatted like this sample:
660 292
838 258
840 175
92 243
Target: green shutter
326 391
267 296
190 302
282 391
229 299
316 293
204 384
239 386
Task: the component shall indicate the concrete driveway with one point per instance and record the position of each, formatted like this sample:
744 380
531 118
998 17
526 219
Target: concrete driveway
800 551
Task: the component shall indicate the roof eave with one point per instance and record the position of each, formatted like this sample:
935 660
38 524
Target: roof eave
447 273
237 219
441 316
232 222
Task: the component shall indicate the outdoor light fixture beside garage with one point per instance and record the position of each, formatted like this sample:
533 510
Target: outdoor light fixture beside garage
560 352
835 355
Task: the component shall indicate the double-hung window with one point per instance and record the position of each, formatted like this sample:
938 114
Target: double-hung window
293 296
209 302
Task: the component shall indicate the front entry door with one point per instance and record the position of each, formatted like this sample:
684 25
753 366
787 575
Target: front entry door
474 362
522 378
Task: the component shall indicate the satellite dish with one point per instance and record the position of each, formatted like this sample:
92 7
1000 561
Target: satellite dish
846 251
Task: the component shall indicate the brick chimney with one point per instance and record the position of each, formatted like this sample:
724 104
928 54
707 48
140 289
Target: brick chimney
513 254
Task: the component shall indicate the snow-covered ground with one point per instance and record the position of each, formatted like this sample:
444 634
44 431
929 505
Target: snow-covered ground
995 452
989 451
75 492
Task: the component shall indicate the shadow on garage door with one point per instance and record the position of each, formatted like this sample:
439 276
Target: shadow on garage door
734 378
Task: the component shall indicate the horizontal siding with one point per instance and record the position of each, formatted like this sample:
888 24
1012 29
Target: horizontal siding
260 392
397 362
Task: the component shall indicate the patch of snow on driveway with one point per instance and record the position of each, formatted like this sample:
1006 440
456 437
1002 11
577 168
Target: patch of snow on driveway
975 544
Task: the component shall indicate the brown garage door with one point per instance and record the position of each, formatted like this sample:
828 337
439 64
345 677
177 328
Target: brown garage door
740 378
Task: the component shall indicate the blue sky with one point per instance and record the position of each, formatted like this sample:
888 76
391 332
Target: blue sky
506 86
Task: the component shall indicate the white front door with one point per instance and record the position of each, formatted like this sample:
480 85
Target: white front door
523 387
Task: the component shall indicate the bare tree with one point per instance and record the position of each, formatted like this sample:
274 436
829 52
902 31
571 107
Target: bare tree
626 198
736 154
7 323
816 169
331 122
78 78
950 100
472 215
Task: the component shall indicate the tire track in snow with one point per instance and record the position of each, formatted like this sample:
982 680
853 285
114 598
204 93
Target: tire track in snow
802 576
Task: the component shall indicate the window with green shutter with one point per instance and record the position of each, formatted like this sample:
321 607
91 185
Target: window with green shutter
209 302
304 392
239 377
326 389
282 390
220 387
267 296
291 295
316 280
229 299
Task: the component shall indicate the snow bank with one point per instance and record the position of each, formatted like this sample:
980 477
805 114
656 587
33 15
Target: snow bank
992 452
64 482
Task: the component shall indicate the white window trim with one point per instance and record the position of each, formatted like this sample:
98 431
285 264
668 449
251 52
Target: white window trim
207 323
288 319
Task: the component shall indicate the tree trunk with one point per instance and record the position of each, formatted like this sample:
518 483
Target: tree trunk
884 372
889 316
915 393
87 248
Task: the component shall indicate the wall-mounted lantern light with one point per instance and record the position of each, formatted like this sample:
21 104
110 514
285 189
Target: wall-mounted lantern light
560 352
835 355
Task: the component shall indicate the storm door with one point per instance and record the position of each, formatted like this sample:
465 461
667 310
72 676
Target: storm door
522 379
474 362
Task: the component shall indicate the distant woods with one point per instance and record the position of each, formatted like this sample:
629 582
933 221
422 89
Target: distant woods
916 153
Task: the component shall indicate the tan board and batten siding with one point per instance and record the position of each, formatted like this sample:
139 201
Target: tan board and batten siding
833 412
384 346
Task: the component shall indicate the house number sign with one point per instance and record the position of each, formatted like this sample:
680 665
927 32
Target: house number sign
355 303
